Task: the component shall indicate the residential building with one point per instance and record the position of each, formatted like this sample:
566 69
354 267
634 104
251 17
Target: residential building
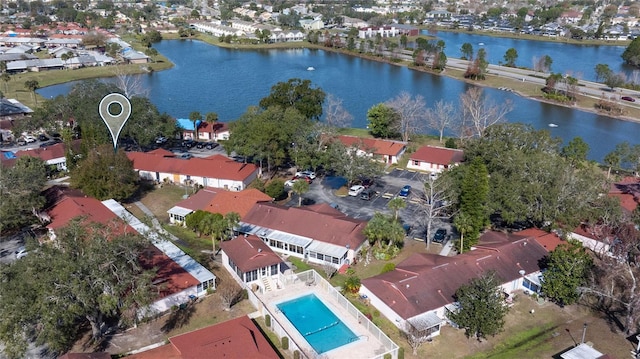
319 233
217 201
311 24
384 31
252 263
54 155
213 132
214 171
420 291
234 339
434 159
387 151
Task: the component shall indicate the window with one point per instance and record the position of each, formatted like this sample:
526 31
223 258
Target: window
416 163
251 276
274 269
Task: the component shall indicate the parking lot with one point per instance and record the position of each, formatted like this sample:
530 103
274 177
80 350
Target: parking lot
10 244
322 190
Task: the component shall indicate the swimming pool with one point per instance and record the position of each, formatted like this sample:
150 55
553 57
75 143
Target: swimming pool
317 323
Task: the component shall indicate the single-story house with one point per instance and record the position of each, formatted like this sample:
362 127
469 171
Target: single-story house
131 56
235 338
178 279
214 171
387 150
420 290
213 132
370 32
319 233
217 201
252 263
51 155
434 159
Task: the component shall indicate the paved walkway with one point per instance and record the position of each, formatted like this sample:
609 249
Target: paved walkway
446 249
156 224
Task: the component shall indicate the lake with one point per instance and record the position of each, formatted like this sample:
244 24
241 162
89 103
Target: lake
207 78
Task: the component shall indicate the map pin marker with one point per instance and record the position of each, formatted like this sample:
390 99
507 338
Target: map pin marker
115 122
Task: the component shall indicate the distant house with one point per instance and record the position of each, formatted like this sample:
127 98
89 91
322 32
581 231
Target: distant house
252 263
214 171
54 155
420 291
235 338
319 233
131 56
371 32
217 201
387 151
213 132
311 24
178 277
434 159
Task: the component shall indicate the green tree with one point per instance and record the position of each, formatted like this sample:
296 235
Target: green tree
381 230
467 51
104 174
464 225
615 80
346 162
603 72
233 220
575 151
473 199
298 94
20 188
5 77
275 189
196 118
396 205
482 311
32 86
300 187
631 54
91 276
383 121
194 219
510 57
567 268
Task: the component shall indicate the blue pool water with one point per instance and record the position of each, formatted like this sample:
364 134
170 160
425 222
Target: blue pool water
317 323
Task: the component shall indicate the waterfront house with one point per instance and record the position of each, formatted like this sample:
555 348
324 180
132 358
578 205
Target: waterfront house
214 171
319 233
387 151
420 291
434 159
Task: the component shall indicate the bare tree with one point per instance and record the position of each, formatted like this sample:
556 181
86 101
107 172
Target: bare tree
434 203
415 337
131 85
329 270
441 116
335 116
412 113
228 294
478 113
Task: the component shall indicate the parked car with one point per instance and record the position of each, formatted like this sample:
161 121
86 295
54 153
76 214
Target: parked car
47 144
404 192
440 236
199 145
211 145
21 141
188 143
43 137
303 178
290 182
309 174
185 156
367 194
4 252
356 190
29 138
21 252
161 140
627 98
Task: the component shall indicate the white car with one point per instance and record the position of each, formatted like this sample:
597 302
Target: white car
355 190
309 174
29 139
290 183
21 252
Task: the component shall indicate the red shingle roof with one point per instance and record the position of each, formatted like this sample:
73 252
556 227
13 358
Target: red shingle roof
198 200
628 191
437 155
379 147
547 240
239 202
238 338
216 166
45 153
425 282
249 253
323 226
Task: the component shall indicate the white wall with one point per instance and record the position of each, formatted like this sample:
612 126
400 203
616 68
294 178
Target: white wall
165 304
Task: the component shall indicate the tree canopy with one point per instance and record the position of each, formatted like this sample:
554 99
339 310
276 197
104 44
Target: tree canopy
567 270
20 188
91 275
383 121
298 94
481 307
631 54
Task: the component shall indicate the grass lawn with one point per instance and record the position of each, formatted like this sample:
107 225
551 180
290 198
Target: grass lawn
160 200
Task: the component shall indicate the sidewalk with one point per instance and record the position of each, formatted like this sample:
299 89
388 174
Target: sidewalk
446 249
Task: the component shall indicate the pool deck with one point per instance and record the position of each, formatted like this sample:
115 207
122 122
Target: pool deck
365 348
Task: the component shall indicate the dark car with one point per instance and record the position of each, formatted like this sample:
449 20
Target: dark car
188 143
199 145
4 252
627 98
43 137
212 145
47 144
367 194
440 236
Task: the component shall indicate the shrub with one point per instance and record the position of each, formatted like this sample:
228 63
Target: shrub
388 268
244 295
387 356
267 320
296 354
275 189
401 353
285 343
210 291
450 143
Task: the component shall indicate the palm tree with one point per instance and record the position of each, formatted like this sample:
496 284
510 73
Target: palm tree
464 224
196 117
212 119
300 187
233 219
32 85
396 205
